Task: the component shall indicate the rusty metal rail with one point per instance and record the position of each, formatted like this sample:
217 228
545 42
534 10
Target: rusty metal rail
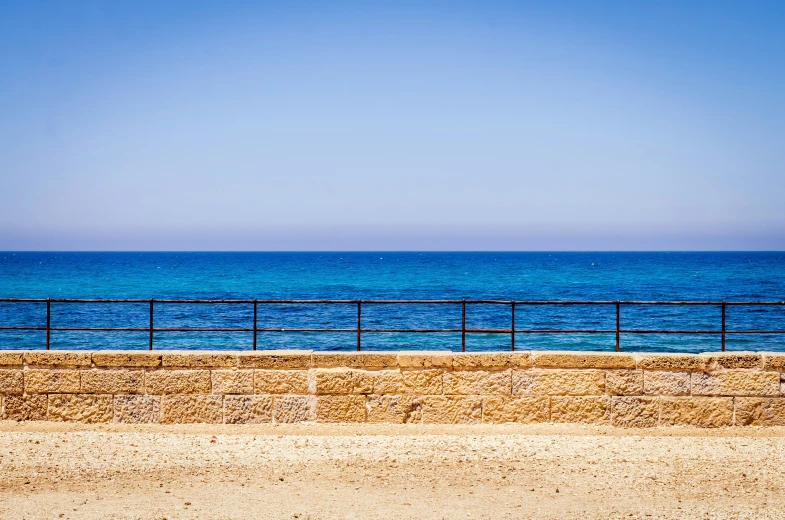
512 331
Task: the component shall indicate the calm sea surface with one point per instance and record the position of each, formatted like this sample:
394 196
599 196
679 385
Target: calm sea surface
520 276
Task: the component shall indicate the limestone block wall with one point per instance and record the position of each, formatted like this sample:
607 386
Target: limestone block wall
619 389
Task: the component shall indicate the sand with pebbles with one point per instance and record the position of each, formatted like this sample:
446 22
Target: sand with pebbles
410 471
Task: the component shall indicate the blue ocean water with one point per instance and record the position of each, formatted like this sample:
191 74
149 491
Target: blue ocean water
393 275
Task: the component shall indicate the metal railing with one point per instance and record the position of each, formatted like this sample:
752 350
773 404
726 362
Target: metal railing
512 331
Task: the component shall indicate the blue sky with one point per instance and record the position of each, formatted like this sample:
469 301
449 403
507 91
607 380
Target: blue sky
395 125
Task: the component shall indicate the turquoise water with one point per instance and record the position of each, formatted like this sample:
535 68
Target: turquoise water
520 276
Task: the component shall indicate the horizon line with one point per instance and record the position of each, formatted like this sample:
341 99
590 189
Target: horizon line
346 251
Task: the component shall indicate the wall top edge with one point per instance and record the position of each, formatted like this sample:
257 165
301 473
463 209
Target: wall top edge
407 359
371 352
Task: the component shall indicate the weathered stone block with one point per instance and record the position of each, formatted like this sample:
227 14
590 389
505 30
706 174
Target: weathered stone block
760 411
666 383
11 381
727 360
203 359
292 408
558 382
59 358
394 409
688 362
478 382
116 381
25 407
85 408
774 361
182 409
570 359
707 412
390 382
125 358
340 408
280 381
275 359
330 381
333 381
45 381
12 358
137 409
624 382
499 409
178 382
492 359
248 409
580 409
452 409
355 359
635 412
425 359
363 381
232 381
421 382
736 382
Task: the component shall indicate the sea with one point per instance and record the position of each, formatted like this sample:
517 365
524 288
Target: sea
649 276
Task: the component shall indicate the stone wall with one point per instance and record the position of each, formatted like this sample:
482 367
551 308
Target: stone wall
627 390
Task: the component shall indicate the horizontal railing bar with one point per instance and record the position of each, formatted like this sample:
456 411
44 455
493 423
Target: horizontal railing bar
106 329
199 329
74 300
557 331
371 302
339 302
670 331
753 331
754 303
22 328
410 330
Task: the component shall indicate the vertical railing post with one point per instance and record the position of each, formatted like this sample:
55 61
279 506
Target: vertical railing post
463 325
48 320
512 328
358 325
618 321
254 323
150 346
723 325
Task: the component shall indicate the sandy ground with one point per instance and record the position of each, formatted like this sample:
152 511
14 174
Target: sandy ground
364 471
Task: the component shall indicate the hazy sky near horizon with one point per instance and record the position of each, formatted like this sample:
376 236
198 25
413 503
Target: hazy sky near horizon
392 125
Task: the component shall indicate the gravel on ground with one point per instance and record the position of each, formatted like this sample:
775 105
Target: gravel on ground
316 471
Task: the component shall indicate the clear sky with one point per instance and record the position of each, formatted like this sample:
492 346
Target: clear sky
392 125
